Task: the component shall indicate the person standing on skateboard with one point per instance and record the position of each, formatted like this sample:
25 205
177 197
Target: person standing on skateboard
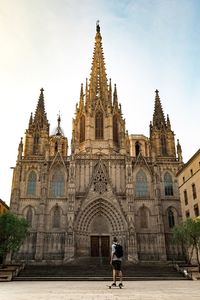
116 261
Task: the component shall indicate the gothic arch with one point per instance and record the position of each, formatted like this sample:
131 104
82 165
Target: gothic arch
137 148
57 181
115 129
168 184
144 215
82 128
171 216
29 214
99 125
31 183
141 184
56 214
96 208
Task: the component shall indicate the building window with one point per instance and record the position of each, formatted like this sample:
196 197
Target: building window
137 148
141 185
171 220
57 184
56 147
194 192
191 172
196 210
163 145
115 130
36 143
185 197
100 182
183 179
82 129
168 183
99 125
31 186
187 213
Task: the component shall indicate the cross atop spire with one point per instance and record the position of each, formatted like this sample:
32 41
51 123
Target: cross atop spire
97 26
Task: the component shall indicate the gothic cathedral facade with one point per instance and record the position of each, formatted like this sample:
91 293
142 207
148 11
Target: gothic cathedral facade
111 184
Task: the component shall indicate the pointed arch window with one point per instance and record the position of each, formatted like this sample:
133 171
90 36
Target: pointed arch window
141 185
29 216
31 186
99 125
56 146
57 184
82 129
100 182
171 219
35 143
163 145
144 216
168 184
56 217
115 130
137 148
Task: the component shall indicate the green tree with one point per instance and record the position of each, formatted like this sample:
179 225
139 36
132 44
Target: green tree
188 235
13 230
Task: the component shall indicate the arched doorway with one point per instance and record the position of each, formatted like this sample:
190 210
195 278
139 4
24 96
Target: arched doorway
99 239
96 224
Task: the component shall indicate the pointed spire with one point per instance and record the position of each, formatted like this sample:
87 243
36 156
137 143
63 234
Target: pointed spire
98 88
158 116
20 149
179 151
40 119
110 94
81 101
115 98
86 95
168 122
30 121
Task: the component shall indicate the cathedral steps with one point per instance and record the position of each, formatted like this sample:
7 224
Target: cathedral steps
94 270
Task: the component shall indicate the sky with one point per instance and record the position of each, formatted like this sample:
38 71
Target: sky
148 45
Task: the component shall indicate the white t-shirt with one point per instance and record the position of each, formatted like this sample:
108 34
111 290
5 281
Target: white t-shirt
113 251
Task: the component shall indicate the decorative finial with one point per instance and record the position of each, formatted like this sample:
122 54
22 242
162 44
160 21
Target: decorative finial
156 91
97 26
41 90
59 119
58 129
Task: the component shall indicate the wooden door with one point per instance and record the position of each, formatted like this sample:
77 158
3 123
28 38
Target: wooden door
105 246
94 246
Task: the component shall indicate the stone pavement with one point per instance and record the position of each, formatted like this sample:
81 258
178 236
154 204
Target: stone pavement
98 290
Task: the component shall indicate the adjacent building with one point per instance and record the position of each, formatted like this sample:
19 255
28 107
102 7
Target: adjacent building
189 186
3 207
111 183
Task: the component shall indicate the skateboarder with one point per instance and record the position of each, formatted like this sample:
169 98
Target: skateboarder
115 261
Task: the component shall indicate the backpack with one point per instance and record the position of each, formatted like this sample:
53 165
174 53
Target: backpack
118 250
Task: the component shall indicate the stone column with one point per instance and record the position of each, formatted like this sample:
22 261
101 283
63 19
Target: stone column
40 234
160 225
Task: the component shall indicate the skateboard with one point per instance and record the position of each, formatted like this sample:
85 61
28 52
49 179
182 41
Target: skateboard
117 286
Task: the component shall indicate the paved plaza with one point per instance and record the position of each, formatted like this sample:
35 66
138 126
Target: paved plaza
73 290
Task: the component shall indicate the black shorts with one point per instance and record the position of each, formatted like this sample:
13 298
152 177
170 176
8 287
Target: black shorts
116 265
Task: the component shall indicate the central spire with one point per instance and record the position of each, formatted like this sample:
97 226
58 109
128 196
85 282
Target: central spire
98 87
158 116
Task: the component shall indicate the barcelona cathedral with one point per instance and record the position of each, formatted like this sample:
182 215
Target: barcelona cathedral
111 184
